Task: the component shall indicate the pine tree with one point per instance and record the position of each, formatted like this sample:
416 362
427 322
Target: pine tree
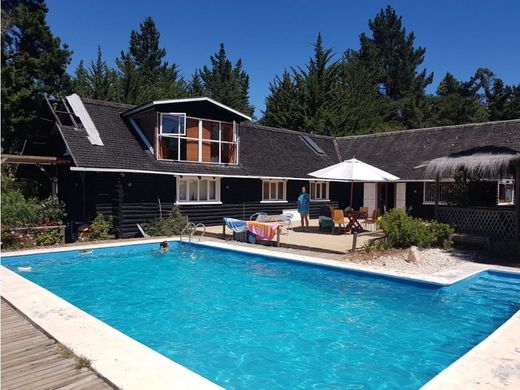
390 54
363 109
224 82
143 75
80 84
320 81
34 63
283 106
456 103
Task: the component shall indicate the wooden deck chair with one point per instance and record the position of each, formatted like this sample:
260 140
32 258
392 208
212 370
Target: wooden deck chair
372 220
338 217
364 212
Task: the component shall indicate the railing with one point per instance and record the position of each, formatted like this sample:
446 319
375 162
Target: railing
499 224
191 230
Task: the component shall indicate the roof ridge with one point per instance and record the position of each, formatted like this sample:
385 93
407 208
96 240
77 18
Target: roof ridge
425 129
284 130
106 103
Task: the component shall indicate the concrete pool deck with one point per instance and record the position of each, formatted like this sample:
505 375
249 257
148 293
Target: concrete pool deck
494 363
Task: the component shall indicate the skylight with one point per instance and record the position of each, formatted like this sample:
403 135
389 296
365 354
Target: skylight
313 145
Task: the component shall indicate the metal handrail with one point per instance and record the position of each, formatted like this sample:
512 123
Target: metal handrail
191 229
203 231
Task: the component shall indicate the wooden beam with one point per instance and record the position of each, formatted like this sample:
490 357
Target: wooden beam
43 160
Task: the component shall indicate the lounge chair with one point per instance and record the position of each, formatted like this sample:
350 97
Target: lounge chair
338 218
260 217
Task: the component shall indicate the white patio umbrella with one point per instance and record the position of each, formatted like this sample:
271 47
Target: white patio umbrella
353 170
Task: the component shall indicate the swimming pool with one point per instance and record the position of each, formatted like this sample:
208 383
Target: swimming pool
248 321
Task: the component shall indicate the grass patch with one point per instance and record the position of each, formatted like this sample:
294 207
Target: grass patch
79 361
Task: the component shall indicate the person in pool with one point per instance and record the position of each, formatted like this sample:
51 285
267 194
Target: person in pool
164 247
303 208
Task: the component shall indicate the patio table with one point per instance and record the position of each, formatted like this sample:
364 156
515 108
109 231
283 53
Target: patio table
353 225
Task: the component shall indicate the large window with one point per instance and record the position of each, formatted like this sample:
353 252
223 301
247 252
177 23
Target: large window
273 190
429 192
319 190
506 192
194 189
184 138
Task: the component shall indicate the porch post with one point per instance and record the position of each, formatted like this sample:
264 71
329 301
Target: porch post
436 197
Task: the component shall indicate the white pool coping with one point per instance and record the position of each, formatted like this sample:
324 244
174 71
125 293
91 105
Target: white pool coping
131 365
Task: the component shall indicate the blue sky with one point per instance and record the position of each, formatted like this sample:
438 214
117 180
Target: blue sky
270 36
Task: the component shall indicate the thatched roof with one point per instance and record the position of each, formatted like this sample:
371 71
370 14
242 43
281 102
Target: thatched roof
487 162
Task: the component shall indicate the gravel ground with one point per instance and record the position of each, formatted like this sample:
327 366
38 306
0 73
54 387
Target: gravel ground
431 260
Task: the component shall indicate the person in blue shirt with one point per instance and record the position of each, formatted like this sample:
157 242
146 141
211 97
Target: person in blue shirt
303 208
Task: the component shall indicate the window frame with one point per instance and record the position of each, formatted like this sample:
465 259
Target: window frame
274 182
188 180
171 135
504 202
200 141
325 194
432 201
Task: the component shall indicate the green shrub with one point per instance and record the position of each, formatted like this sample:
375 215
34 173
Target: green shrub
403 231
48 237
17 211
101 228
169 226
50 211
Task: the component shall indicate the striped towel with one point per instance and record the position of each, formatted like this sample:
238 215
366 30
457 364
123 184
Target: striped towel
236 225
264 231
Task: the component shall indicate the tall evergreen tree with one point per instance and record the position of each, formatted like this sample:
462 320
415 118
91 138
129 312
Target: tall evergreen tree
390 54
320 90
96 82
456 103
80 84
224 82
283 105
363 109
34 62
143 74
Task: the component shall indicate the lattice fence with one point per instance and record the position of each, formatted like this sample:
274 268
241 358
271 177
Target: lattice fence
495 223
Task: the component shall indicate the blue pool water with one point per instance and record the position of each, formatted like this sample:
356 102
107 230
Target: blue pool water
251 322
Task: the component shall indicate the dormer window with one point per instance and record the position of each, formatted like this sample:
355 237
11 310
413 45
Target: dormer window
184 138
172 124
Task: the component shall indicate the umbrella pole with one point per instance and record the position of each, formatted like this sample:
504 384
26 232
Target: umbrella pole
351 193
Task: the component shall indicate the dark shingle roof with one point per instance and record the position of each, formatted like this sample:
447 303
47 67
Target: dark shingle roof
263 151
273 152
400 151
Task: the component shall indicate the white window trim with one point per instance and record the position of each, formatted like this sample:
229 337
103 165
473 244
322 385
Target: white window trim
199 178
327 187
276 200
199 140
505 182
432 202
183 114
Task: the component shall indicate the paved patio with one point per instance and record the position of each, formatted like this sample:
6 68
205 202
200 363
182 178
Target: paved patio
310 239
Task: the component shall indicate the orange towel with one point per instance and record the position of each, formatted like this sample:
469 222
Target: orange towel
264 231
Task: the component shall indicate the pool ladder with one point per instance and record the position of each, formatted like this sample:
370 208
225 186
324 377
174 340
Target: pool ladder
191 229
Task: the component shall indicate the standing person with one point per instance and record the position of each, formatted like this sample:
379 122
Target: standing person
303 207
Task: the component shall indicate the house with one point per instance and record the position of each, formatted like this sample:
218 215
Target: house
136 162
